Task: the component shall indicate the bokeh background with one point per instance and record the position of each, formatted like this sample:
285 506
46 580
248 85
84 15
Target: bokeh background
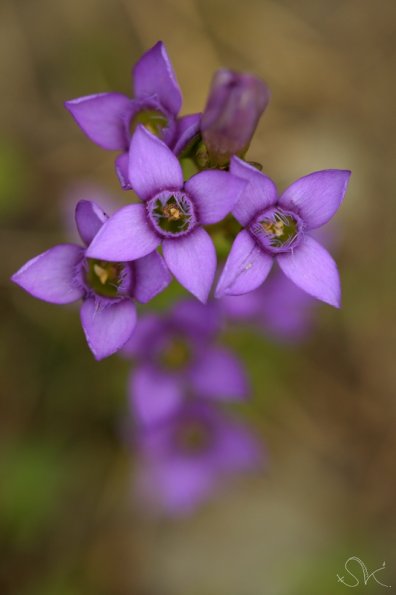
326 409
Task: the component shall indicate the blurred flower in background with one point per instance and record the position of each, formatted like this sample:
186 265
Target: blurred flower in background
278 308
188 458
176 357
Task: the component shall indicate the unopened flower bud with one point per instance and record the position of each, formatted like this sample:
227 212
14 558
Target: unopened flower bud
235 104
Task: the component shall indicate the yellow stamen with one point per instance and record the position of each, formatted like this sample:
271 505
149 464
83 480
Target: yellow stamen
102 273
276 228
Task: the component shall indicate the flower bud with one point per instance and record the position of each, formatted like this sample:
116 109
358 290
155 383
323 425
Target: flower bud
235 104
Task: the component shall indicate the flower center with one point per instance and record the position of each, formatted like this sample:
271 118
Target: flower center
151 119
171 213
277 230
193 437
176 355
104 277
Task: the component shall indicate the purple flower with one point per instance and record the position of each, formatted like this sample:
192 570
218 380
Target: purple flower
278 307
187 129
186 459
63 274
172 213
109 119
235 104
175 356
276 228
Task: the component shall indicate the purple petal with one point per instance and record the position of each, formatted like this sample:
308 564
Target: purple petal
153 74
242 307
107 326
218 374
246 267
50 275
122 170
89 219
259 194
192 260
186 128
284 310
316 197
140 345
312 268
199 322
151 277
215 193
104 118
175 486
125 236
239 448
154 396
152 165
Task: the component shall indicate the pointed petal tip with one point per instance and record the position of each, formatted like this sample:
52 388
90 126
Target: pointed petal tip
107 328
152 165
192 261
313 269
50 275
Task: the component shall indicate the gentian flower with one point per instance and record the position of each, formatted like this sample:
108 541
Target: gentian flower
185 460
277 308
187 129
275 228
235 104
63 274
172 213
176 357
109 119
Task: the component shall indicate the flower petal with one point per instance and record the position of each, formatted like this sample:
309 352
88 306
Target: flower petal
192 260
107 325
246 267
312 268
122 167
175 486
186 128
140 345
153 395
200 322
215 193
153 74
104 118
239 449
125 236
316 197
218 374
89 219
151 277
152 165
50 275
259 194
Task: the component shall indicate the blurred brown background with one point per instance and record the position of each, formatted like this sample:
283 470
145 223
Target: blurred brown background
326 409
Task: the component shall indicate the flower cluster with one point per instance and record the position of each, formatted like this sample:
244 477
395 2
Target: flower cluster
196 201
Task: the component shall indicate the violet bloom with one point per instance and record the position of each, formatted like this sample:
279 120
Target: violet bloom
63 274
278 308
172 213
176 357
187 130
185 460
109 119
275 228
235 104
